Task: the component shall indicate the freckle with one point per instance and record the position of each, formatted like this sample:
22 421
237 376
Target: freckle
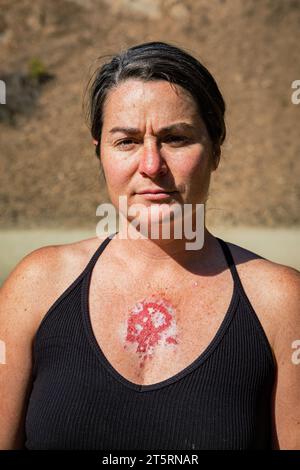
142 364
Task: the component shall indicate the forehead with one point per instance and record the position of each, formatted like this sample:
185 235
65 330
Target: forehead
137 99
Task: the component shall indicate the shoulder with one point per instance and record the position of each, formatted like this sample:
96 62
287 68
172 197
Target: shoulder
43 275
51 261
273 290
272 278
261 268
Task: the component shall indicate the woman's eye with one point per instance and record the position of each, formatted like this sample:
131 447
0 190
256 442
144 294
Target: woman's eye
125 142
176 139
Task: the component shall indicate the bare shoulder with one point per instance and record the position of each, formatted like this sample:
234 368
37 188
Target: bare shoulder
44 274
254 263
264 272
272 288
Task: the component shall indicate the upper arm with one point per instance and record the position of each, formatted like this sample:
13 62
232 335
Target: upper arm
286 401
21 301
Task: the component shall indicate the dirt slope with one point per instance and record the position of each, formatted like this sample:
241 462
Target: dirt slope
49 175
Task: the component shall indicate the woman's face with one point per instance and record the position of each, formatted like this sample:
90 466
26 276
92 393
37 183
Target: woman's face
153 137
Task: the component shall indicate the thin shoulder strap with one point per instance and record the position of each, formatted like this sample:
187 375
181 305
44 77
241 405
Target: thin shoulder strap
231 264
98 252
240 289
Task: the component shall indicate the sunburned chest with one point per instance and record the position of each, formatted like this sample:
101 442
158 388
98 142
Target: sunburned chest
150 335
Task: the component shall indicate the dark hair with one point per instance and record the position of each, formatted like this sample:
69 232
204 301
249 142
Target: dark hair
158 61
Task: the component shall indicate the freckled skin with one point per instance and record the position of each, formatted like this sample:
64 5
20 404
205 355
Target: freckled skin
151 322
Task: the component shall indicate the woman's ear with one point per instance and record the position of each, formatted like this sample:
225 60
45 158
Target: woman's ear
97 147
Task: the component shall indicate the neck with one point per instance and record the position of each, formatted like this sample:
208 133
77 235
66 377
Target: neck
166 251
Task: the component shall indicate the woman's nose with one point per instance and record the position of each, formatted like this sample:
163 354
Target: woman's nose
151 161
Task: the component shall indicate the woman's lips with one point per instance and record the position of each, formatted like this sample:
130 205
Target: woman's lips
157 196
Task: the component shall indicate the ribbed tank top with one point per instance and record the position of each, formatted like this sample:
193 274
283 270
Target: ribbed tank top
78 400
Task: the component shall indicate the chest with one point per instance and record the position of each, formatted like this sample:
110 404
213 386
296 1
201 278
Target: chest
150 332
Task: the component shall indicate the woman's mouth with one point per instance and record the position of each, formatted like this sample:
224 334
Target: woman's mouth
157 195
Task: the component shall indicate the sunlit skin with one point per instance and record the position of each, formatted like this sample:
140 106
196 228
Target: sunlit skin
154 136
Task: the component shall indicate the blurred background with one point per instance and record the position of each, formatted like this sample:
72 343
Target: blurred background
50 181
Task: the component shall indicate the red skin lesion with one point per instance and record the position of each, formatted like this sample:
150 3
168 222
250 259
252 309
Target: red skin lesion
151 323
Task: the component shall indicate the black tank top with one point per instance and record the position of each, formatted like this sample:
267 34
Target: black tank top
222 400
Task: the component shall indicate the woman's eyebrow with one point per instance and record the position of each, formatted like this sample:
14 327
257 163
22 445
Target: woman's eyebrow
179 127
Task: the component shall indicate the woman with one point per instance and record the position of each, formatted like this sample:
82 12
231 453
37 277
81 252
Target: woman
147 344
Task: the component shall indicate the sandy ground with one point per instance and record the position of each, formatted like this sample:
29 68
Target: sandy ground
279 245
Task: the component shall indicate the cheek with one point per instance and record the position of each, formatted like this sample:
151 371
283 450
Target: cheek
194 174
117 172
191 163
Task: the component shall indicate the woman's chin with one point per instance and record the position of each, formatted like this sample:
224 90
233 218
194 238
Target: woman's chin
155 221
